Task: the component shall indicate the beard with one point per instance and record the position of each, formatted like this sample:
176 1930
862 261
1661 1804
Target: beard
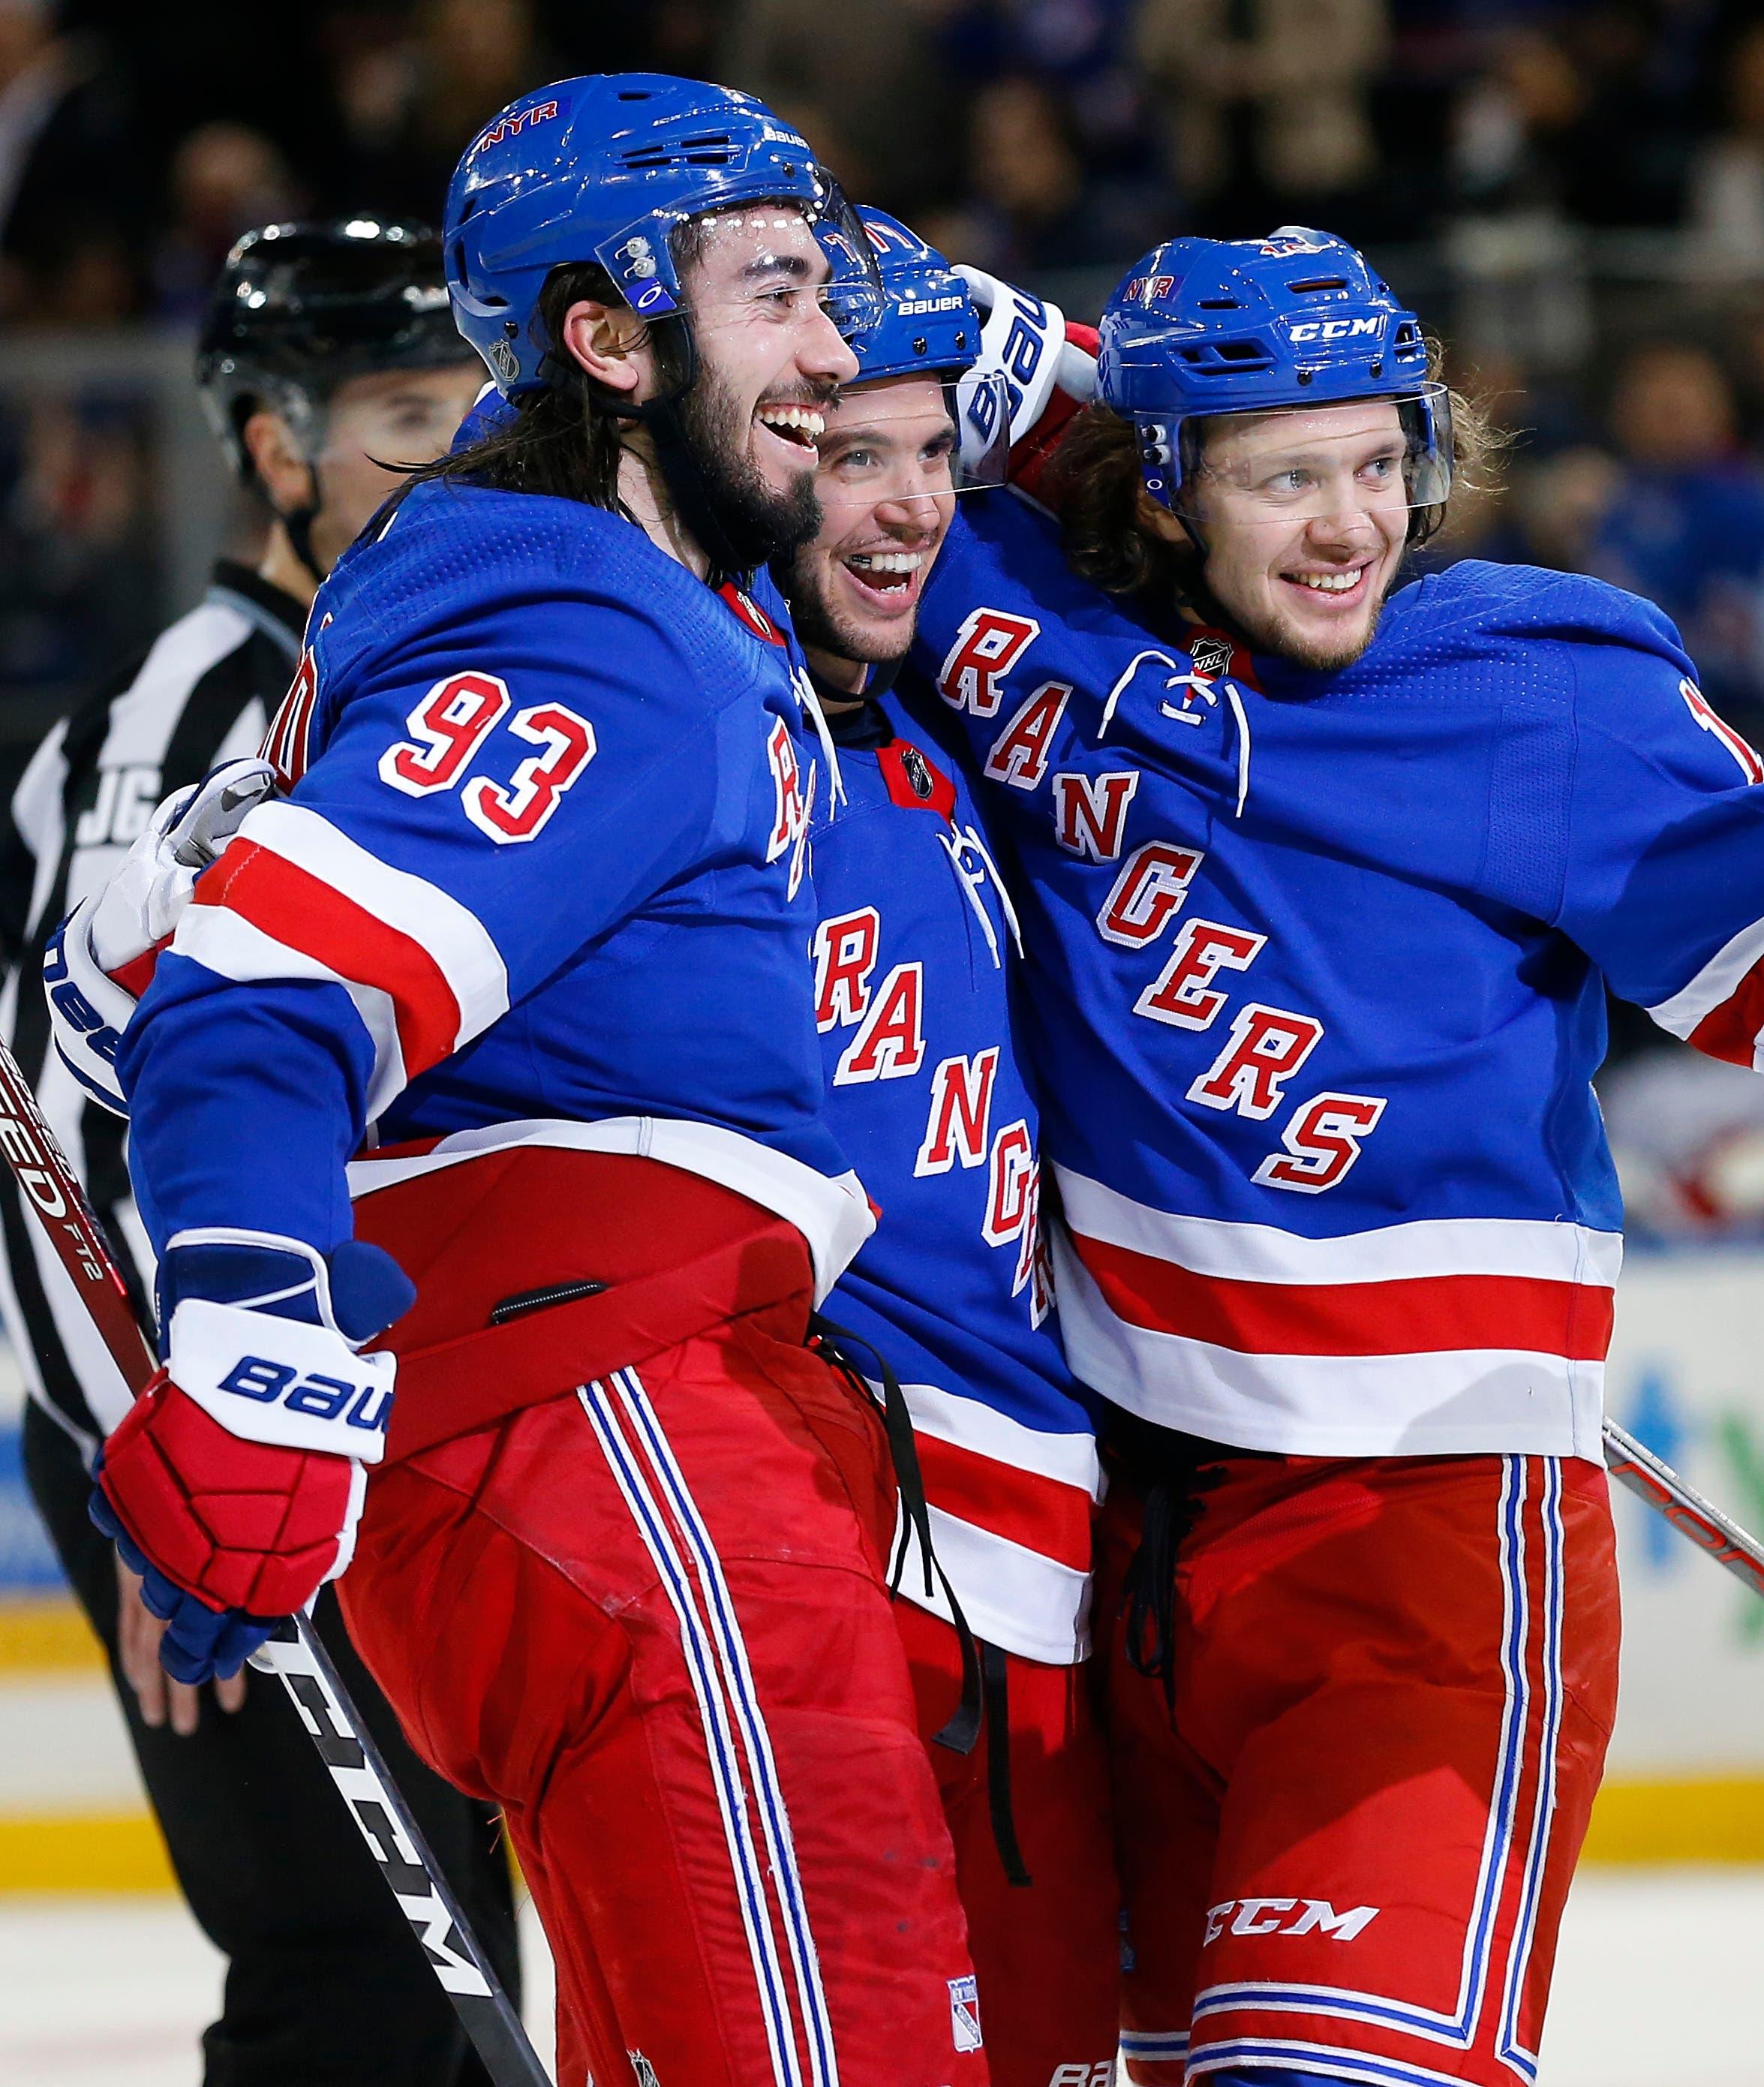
758 523
804 581
1276 637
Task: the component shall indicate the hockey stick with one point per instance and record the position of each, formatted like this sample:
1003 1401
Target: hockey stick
1687 1512
296 1655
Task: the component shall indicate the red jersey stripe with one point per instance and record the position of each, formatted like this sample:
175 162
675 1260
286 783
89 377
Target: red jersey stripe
1415 1315
300 910
1039 1514
1731 1030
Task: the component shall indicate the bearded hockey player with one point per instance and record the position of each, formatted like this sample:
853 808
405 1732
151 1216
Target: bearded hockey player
325 350
1323 884
915 968
528 937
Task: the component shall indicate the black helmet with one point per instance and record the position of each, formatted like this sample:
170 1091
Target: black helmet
301 309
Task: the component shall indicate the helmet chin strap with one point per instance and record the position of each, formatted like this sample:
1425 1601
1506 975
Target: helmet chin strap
297 522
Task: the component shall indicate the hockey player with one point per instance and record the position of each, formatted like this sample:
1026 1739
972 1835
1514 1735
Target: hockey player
915 964
1323 882
327 349
536 914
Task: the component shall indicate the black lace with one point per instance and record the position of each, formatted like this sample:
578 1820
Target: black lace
1175 1472
984 1689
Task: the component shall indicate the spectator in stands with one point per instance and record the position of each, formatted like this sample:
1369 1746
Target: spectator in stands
1685 525
70 190
225 178
1032 203
1266 102
879 73
409 100
1726 188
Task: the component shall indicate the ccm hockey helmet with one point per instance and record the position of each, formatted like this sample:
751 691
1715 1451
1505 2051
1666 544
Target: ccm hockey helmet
1206 326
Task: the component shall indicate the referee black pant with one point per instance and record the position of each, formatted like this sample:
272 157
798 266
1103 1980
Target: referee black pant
326 1985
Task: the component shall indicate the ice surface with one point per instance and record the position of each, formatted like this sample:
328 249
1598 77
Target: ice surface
111 1993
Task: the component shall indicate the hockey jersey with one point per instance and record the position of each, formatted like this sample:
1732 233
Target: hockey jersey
1316 971
542 878
914 968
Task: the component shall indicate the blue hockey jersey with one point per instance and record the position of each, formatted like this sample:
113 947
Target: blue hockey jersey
1315 970
914 966
542 876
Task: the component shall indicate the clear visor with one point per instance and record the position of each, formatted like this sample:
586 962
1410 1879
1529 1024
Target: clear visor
906 441
760 264
1313 464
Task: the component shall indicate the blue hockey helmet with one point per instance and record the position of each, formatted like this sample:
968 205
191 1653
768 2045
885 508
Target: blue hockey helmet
1207 326
605 169
930 328
929 325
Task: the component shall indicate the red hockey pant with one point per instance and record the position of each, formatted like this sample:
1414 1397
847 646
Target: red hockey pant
1047 1954
1349 1851
648 1619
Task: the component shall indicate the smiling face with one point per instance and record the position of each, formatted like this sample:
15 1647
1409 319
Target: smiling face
1305 516
770 359
887 495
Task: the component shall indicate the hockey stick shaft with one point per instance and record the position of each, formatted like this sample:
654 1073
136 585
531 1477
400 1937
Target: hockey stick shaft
1688 1513
296 1655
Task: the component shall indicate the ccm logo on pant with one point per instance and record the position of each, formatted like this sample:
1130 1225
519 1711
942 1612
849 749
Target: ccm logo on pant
366 1405
1268 1916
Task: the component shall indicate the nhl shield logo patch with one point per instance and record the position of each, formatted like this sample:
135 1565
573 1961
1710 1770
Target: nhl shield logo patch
965 2013
1212 656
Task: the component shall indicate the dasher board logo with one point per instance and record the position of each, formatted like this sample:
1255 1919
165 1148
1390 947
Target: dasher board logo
965 2013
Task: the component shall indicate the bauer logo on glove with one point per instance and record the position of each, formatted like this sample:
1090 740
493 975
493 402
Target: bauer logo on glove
328 1398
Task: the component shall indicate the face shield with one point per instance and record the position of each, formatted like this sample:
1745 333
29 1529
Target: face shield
760 264
906 443
1295 467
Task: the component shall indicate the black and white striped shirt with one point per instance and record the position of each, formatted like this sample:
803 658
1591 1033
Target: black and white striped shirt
204 692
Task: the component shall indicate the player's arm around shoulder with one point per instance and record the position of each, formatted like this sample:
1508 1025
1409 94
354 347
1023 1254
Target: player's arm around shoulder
1663 883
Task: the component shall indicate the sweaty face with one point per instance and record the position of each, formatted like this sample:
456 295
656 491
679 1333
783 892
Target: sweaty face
886 498
1305 516
770 362
374 426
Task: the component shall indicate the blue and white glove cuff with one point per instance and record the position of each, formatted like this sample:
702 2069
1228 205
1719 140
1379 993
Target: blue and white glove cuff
88 1010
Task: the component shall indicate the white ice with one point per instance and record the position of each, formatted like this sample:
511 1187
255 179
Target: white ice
113 1993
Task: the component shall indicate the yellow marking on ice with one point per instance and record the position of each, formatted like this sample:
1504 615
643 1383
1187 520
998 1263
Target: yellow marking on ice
1691 1818
46 1634
84 1851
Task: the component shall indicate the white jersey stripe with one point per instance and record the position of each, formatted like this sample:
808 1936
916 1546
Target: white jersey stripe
1028 1603
1068 1460
1559 1253
228 944
1451 1402
1714 984
453 936
830 1212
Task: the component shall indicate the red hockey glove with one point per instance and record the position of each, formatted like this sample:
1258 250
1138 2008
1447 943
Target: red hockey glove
235 1482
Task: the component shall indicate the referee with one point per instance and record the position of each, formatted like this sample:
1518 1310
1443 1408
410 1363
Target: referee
328 354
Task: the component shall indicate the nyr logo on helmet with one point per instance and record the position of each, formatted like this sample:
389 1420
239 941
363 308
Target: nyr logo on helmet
1148 290
513 123
1337 329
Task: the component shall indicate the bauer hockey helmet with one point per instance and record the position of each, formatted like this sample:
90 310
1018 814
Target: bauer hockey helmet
1206 326
606 169
930 326
301 309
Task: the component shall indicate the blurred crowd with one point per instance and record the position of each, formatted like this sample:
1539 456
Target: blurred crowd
1572 192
